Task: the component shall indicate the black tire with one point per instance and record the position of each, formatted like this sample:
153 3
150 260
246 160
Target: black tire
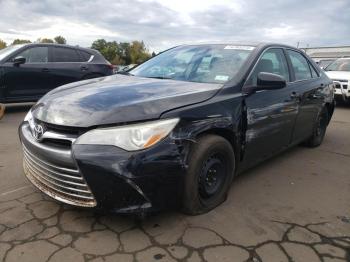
319 132
91 76
210 173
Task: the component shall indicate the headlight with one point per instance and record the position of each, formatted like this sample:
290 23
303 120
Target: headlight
130 137
29 118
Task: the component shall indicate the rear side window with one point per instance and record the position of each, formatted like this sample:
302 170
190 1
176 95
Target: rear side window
39 54
272 61
85 56
65 55
300 65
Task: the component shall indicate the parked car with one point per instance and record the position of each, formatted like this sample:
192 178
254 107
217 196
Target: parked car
176 130
325 62
339 72
29 71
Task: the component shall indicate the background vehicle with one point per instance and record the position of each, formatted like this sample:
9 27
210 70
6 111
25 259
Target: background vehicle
175 130
325 62
27 72
339 72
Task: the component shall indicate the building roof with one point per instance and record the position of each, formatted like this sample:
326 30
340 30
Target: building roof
329 54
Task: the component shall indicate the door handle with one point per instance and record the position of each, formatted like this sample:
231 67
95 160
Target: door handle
295 95
84 68
45 70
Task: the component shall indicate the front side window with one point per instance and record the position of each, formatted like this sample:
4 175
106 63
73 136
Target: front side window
300 65
339 65
202 63
272 61
39 54
67 55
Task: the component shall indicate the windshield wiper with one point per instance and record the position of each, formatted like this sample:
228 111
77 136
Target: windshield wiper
159 77
124 73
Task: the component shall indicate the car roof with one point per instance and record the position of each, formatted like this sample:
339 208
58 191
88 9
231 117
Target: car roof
60 45
254 44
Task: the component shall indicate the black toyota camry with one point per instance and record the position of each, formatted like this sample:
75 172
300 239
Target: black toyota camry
175 131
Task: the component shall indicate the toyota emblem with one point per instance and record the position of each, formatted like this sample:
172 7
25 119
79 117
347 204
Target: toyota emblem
38 132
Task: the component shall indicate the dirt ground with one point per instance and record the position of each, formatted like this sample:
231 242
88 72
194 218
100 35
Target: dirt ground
294 207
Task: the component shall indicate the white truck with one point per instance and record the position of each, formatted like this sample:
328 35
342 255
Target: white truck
339 72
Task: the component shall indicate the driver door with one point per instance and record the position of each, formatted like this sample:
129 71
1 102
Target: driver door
29 80
271 114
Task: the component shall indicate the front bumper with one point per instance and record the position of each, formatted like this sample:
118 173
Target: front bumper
341 90
110 178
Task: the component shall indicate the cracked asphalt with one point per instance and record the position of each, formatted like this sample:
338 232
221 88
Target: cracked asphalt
294 207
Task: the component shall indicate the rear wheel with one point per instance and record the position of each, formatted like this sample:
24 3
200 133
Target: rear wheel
209 176
320 129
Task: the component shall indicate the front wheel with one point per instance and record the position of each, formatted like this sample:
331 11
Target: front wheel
319 131
209 176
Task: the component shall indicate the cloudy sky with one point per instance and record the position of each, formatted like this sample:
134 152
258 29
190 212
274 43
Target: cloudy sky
165 23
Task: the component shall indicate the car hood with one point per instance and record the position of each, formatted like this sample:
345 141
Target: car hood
338 75
118 99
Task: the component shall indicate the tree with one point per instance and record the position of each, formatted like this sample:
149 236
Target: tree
2 44
20 41
154 54
122 53
108 49
45 40
60 40
99 44
138 52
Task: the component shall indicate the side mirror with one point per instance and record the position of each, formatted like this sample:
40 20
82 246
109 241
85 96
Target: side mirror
269 81
19 60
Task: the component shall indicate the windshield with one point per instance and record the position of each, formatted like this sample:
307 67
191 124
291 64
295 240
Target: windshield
339 65
8 50
202 63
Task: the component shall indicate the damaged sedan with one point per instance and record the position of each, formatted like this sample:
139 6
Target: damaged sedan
176 130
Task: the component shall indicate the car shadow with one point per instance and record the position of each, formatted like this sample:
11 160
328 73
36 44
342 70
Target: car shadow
18 108
342 104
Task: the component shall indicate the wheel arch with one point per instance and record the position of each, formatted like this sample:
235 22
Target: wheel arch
230 135
330 108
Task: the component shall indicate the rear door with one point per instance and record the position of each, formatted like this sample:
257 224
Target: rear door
307 85
271 114
68 65
29 80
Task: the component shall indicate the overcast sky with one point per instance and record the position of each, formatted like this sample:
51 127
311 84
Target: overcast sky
165 23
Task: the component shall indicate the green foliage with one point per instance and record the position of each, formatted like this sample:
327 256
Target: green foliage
122 53
60 40
46 40
20 41
2 44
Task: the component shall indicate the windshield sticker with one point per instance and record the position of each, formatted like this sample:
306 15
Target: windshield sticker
239 47
221 78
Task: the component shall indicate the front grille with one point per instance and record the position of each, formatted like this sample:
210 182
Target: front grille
61 131
64 184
